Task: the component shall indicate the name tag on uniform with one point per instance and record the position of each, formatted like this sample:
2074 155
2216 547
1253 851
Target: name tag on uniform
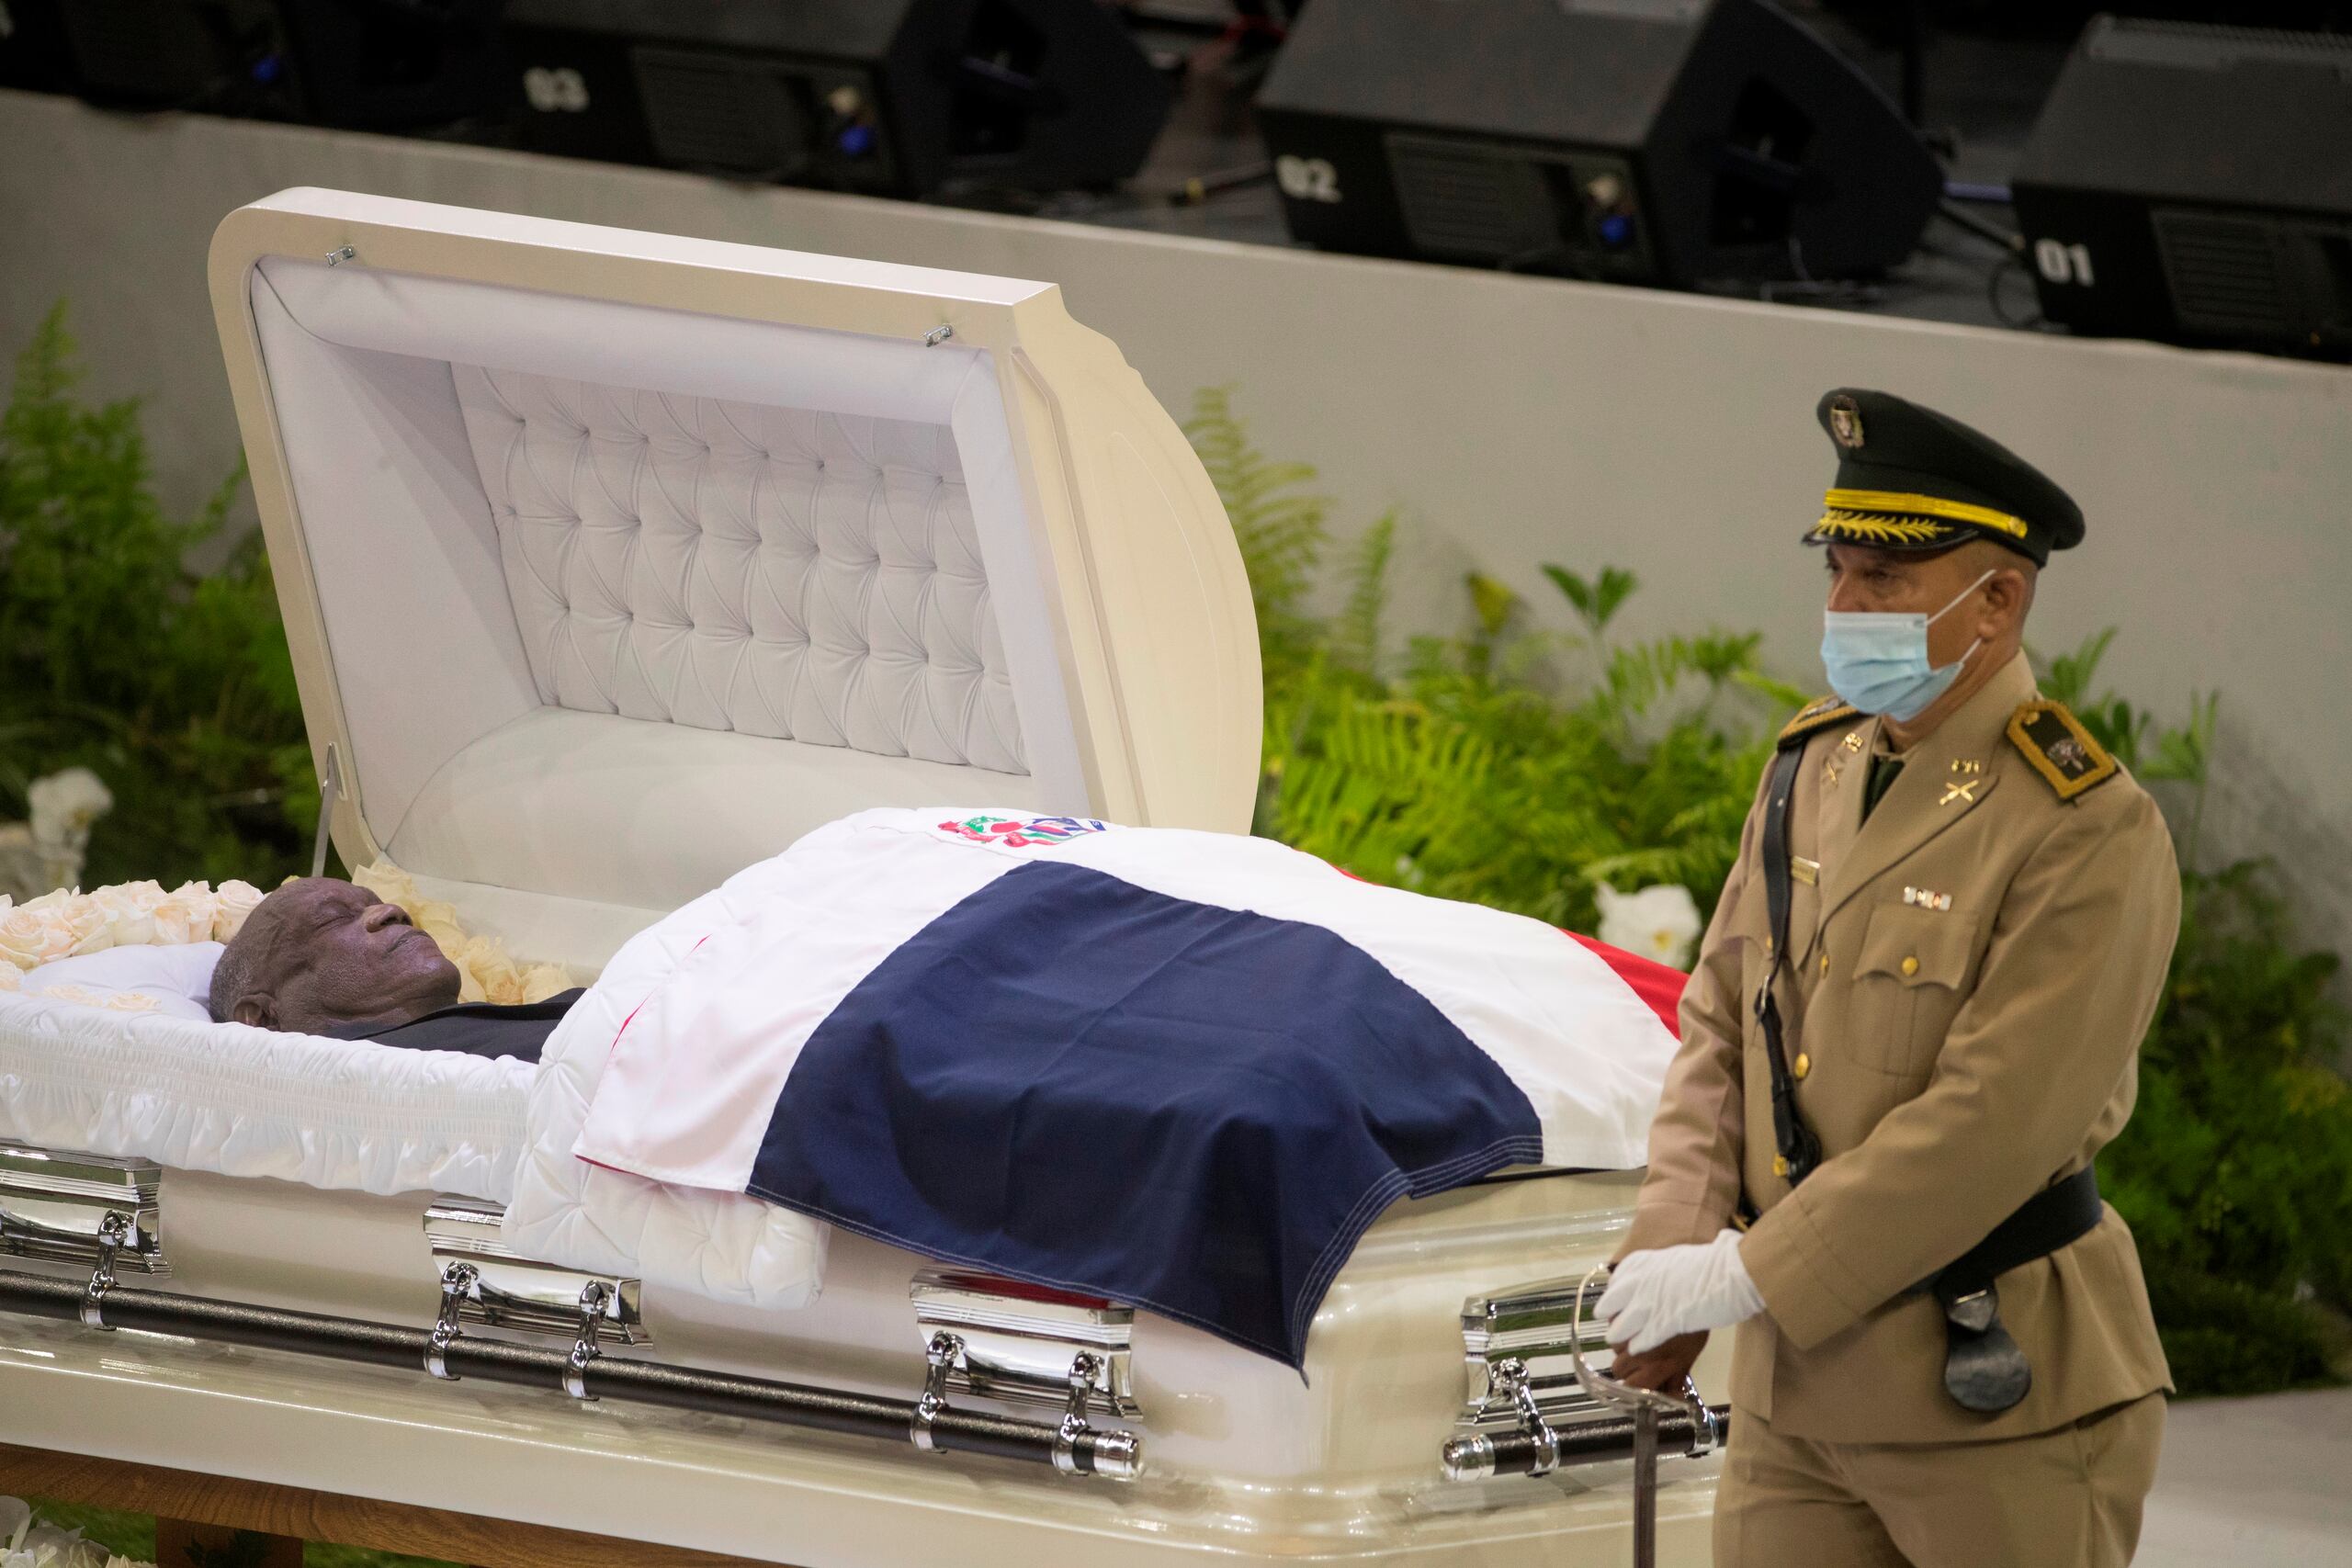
1805 871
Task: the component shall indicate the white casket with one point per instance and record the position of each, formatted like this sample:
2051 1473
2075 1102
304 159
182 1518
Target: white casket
612 562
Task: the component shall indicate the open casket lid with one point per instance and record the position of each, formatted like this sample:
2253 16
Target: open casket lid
612 562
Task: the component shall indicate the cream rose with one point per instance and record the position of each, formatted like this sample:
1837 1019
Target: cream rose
185 914
233 901
11 978
50 927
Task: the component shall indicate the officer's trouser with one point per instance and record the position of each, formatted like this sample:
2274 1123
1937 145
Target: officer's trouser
2064 1498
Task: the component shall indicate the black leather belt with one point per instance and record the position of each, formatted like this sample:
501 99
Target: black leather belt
1984 1369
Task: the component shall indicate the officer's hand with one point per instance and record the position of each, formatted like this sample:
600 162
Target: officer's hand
1656 1295
1664 1367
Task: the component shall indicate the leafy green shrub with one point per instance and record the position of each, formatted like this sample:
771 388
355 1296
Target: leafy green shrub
175 689
1504 766
1518 770
2236 1170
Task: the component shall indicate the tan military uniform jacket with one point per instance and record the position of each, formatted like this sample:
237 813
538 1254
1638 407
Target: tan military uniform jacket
1955 1058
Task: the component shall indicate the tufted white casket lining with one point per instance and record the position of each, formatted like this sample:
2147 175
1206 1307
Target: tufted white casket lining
621 599
780 572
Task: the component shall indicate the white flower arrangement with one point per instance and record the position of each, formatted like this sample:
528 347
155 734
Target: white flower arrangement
1659 923
70 922
24 1543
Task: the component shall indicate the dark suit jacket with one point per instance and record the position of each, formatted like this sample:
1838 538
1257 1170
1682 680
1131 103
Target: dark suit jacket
478 1028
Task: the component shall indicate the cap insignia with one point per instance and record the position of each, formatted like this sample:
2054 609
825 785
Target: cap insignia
2063 752
1845 422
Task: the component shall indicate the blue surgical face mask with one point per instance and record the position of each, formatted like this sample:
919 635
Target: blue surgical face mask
1878 659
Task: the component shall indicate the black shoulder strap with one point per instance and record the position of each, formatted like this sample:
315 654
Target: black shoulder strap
1800 1151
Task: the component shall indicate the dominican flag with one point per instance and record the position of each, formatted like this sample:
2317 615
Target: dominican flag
1177 1069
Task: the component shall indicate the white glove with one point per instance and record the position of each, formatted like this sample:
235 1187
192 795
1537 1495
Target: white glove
1653 1297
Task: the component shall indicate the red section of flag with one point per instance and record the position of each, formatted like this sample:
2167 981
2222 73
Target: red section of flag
1657 984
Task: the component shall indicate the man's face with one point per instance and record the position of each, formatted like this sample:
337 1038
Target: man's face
1866 580
325 953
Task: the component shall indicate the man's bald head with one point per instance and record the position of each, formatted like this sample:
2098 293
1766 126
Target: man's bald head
318 955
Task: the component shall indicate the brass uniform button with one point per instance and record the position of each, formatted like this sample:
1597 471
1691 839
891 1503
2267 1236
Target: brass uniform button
1910 966
1779 1166
1824 964
1803 1065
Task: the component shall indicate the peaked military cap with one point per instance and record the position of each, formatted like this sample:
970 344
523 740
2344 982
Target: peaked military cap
1911 479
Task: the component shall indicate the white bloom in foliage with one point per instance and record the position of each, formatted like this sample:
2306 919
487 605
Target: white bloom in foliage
1659 923
64 803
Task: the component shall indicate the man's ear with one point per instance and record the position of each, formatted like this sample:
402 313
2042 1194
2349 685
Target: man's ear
258 1008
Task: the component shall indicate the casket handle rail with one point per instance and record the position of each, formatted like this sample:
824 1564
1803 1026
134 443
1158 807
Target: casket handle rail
1072 1446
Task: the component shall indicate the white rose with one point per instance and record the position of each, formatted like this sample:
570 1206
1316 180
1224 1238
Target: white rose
48 929
1659 923
233 902
63 805
11 978
186 915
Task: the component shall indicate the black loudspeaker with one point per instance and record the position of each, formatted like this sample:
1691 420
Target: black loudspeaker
33 47
1666 141
893 96
2194 184
359 63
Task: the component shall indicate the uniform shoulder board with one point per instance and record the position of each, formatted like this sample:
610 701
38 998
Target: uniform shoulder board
1814 717
2060 749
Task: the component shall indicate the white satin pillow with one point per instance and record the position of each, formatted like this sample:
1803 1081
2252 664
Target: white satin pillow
178 975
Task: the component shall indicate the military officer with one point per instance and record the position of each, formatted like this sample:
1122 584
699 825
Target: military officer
1913 1025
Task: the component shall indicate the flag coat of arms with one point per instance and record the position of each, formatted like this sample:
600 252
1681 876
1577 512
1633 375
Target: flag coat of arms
1177 1069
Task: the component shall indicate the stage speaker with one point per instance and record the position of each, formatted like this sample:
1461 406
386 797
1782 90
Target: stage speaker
2194 184
891 95
33 47
356 63
1669 142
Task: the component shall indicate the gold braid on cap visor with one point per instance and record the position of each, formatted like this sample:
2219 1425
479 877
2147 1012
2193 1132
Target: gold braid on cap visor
1865 514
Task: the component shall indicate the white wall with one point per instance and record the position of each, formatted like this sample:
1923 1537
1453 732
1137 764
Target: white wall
1514 421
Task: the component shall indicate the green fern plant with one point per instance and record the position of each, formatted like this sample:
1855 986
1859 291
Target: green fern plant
1480 770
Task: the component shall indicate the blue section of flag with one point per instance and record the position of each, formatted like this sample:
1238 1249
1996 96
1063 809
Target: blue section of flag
1075 1081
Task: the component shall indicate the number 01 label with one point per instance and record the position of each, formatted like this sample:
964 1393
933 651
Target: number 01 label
2062 262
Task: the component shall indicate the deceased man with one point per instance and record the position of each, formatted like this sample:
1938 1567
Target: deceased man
320 956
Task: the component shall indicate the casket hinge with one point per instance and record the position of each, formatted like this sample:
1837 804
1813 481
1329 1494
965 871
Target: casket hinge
584 1348
943 1352
1084 1368
112 1232
458 1281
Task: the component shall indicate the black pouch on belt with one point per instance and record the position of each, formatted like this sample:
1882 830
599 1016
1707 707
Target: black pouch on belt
1984 1369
